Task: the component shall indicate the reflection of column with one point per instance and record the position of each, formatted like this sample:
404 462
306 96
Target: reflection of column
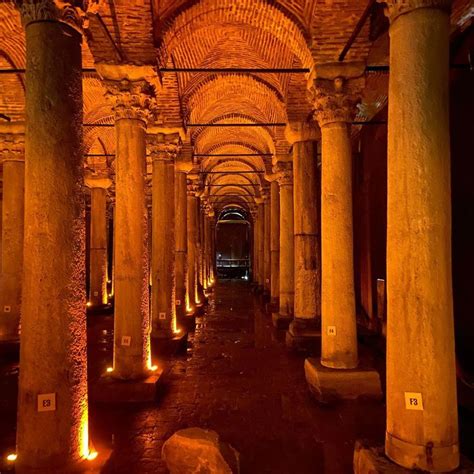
275 242
98 240
13 153
131 105
181 243
420 335
163 150
267 263
304 329
287 255
53 355
335 105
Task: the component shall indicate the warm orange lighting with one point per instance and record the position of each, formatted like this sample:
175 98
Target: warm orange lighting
177 331
154 367
88 304
92 455
110 369
11 457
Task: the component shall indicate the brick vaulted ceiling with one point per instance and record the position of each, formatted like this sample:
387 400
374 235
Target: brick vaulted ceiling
269 34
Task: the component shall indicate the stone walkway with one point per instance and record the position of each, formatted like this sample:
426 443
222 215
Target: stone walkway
237 379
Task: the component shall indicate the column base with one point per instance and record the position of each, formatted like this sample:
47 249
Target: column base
110 390
329 385
9 346
372 460
170 342
281 321
272 306
303 336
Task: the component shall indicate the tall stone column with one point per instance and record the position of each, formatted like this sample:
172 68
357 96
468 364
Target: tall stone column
304 330
275 243
210 242
12 154
254 244
422 427
52 426
335 101
199 250
164 149
267 255
261 242
192 285
284 316
181 243
98 240
133 110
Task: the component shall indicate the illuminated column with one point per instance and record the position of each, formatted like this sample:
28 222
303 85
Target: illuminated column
304 330
199 286
287 254
202 246
209 238
337 375
181 242
267 255
133 109
275 242
98 240
52 427
420 334
261 241
192 289
12 153
163 150
253 213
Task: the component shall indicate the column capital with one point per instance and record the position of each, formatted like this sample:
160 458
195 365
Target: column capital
132 99
335 100
284 172
302 132
12 142
74 13
192 187
164 147
395 8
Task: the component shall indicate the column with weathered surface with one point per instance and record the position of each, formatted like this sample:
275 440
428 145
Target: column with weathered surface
275 242
181 242
12 154
164 149
191 287
267 254
98 240
199 250
261 241
304 330
52 427
255 267
422 427
133 107
282 319
337 374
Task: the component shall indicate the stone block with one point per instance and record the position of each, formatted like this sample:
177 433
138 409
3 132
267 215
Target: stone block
329 385
281 321
110 390
198 450
372 460
306 340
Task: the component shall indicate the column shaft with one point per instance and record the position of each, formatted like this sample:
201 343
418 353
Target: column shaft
275 241
338 331
98 247
261 244
267 255
420 334
12 246
192 289
53 355
181 243
131 323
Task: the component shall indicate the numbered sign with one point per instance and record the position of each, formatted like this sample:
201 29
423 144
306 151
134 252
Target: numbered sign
96 293
7 309
126 340
413 401
178 302
162 316
47 402
331 331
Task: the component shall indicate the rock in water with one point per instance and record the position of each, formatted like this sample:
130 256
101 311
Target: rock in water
199 451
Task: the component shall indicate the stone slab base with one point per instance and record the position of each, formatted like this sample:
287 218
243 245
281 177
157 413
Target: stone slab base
307 341
372 460
110 390
281 321
167 344
9 347
329 385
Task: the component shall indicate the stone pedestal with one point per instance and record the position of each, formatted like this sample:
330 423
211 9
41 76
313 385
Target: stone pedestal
329 385
12 154
303 336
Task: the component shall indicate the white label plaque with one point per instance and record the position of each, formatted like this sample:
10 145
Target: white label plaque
331 330
7 309
47 402
126 340
162 316
96 293
413 401
178 302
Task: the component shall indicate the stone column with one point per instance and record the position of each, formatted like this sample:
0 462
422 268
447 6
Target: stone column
12 154
422 428
98 240
267 255
261 242
335 101
163 149
253 213
287 255
210 238
133 110
192 289
275 243
199 251
181 243
52 426
304 330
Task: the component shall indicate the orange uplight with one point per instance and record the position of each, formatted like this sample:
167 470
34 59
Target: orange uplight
110 369
154 367
12 457
92 455
88 304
